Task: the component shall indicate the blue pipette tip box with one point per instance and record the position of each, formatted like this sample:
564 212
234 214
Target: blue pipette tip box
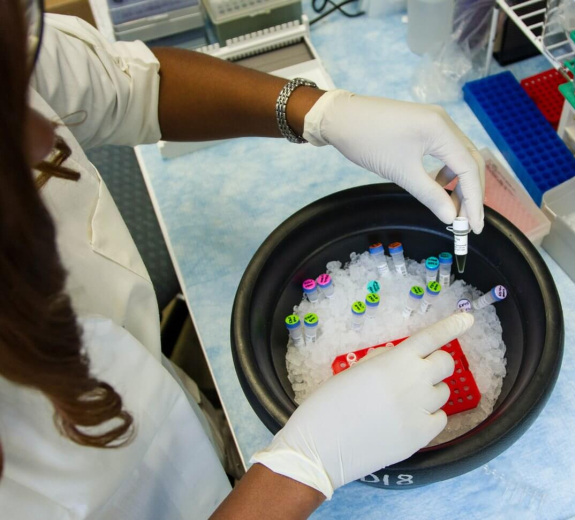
537 155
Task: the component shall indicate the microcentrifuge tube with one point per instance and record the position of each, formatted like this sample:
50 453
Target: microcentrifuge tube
396 252
373 287
310 290
294 328
497 294
431 269
372 304
310 323
464 305
378 255
460 229
413 300
431 293
357 315
326 285
445 262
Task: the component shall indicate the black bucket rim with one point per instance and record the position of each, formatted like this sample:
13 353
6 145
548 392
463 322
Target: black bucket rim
526 407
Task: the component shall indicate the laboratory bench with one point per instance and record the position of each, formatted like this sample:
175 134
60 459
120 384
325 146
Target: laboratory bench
217 205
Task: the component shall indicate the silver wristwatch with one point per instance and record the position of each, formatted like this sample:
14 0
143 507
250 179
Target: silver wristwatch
281 103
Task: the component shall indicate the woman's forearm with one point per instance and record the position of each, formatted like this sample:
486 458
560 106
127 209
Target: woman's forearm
204 98
264 494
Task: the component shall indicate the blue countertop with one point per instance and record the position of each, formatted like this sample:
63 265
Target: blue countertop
216 207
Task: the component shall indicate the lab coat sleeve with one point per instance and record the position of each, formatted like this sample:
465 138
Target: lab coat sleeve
115 86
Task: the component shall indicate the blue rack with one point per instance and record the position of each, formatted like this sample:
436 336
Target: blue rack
529 143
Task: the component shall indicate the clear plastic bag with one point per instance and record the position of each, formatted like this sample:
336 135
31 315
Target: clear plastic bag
471 24
566 14
443 72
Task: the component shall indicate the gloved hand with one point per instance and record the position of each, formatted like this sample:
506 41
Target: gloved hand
376 413
390 138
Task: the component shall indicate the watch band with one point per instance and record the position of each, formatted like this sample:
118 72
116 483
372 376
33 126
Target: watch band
281 104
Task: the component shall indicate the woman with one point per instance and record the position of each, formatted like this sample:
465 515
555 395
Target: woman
94 423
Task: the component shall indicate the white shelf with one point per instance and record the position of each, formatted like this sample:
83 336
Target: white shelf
548 36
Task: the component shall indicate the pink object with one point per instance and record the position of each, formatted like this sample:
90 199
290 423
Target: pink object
506 195
309 285
323 280
464 394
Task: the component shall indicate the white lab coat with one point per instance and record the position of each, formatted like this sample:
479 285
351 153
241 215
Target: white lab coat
170 470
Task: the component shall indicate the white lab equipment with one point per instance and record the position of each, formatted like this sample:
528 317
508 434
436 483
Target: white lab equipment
372 304
310 290
464 305
413 300
377 253
460 230
152 19
294 328
232 18
431 293
325 283
431 269
358 310
445 262
310 322
430 24
497 294
558 204
396 252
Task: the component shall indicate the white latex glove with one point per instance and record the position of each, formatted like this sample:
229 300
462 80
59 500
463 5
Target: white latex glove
390 138
376 413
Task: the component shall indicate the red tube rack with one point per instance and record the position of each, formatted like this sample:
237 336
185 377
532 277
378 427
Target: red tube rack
464 392
543 89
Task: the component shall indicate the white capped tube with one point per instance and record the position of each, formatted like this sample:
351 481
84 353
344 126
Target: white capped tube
460 230
497 294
